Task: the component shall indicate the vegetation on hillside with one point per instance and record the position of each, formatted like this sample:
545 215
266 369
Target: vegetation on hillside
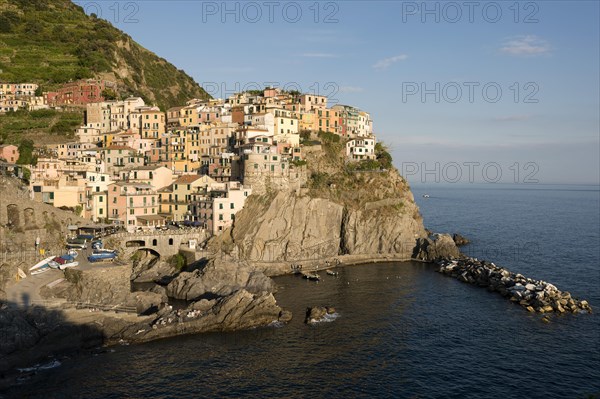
353 184
51 42
41 126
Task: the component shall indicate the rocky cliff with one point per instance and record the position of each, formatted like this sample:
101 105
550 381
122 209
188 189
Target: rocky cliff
341 212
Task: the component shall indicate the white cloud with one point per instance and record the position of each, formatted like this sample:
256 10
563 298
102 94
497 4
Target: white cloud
351 89
388 62
319 55
527 45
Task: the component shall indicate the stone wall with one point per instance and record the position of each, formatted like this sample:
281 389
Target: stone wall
165 243
22 220
262 179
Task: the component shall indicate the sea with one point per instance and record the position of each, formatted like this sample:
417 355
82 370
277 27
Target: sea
400 330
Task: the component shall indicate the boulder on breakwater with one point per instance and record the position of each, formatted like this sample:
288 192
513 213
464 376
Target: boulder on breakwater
533 295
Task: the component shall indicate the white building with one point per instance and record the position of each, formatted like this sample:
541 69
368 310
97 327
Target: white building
361 148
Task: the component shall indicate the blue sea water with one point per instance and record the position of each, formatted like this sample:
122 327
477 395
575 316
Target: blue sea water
403 330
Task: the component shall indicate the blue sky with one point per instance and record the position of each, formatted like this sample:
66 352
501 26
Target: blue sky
381 55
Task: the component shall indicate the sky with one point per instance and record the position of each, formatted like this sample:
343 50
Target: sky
461 92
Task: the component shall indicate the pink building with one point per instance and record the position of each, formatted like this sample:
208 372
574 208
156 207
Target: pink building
133 204
9 152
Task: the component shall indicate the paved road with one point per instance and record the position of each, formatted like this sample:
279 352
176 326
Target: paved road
23 293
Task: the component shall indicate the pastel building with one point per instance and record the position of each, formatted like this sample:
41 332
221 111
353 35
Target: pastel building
215 207
10 153
133 205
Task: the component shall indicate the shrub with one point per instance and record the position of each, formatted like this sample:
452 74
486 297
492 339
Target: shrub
178 261
327 137
383 156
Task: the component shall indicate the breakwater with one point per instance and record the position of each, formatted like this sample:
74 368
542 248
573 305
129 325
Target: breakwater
534 295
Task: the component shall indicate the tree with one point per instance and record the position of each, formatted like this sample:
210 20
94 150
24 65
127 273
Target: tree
26 153
39 92
383 156
109 94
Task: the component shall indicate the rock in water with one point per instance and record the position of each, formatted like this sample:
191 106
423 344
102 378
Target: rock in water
317 314
442 246
460 240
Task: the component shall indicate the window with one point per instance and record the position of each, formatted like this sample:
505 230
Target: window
170 241
100 211
154 242
233 216
220 216
220 206
231 206
100 199
131 211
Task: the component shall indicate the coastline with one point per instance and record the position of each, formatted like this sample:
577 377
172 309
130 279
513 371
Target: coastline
100 329
96 328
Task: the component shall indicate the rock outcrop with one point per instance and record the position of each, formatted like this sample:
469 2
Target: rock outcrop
30 335
533 295
296 227
219 278
460 240
441 246
239 310
380 228
106 286
318 314
287 227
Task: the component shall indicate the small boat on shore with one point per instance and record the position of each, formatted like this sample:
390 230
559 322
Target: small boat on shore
332 273
41 263
104 251
42 269
64 261
102 256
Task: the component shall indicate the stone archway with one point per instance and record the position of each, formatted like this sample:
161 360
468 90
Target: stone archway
135 243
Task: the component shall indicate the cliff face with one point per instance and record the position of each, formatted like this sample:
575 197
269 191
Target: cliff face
291 227
377 219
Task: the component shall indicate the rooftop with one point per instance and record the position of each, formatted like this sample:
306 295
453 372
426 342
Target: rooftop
186 179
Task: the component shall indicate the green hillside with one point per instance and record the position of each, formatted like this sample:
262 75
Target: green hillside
53 41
